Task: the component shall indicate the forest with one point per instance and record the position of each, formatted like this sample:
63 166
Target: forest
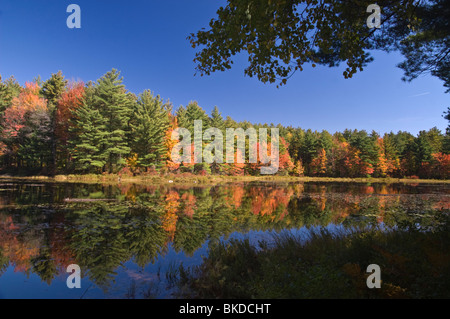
58 127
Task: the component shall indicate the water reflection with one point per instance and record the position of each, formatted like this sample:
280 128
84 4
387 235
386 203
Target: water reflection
126 232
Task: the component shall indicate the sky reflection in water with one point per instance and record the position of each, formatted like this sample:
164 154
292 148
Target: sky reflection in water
126 237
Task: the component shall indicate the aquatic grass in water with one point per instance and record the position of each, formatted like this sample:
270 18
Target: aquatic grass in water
327 264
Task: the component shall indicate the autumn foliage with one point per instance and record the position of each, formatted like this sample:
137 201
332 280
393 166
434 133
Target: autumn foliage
102 128
27 102
69 101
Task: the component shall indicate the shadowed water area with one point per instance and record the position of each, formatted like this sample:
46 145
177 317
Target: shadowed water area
126 237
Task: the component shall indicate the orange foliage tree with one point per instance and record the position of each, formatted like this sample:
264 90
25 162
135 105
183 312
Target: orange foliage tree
299 169
27 103
189 201
69 101
286 163
319 164
14 116
170 218
440 165
382 164
170 143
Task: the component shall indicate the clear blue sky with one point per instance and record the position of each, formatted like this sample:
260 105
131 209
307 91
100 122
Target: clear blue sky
146 41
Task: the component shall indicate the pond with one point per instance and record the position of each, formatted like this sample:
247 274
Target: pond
126 237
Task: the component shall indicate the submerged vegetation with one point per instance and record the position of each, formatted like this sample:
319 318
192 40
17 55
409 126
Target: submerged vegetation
414 262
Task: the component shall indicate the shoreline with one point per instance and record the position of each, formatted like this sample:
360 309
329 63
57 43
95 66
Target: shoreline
193 180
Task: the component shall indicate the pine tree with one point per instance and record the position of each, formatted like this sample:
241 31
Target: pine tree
186 119
296 141
52 90
148 129
181 117
8 90
325 141
114 105
193 113
423 148
230 123
367 147
447 117
89 128
216 119
309 147
36 139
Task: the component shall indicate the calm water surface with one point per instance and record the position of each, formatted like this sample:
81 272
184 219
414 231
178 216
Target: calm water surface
126 237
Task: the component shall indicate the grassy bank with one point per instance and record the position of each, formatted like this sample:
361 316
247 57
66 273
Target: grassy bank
414 264
207 180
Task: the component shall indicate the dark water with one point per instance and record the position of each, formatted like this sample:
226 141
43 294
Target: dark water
125 238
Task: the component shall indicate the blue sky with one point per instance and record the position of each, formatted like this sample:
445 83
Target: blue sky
146 41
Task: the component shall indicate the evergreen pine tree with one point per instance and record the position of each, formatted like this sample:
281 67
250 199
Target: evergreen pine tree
36 139
148 129
366 145
309 147
230 123
89 129
193 113
8 90
181 117
216 119
51 90
114 106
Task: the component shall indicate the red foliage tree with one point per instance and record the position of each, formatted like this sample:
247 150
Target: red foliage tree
440 165
27 101
319 164
69 101
286 163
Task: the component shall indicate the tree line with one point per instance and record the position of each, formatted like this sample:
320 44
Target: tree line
61 127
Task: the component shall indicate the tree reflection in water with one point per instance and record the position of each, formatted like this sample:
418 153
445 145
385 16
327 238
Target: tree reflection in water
41 232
